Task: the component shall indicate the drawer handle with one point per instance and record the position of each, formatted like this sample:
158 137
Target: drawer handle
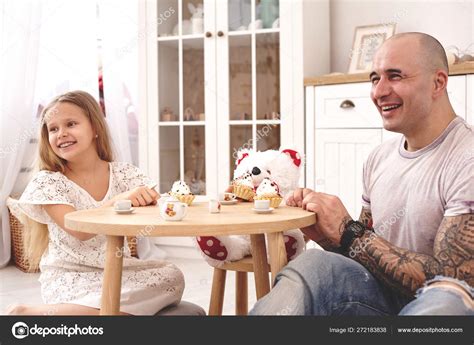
347 104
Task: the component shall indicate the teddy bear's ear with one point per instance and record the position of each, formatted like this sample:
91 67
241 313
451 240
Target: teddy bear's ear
241 154
294 155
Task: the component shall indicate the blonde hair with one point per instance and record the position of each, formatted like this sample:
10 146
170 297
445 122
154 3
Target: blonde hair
48 160
36 238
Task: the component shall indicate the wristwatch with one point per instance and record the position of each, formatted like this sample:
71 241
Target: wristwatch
352 230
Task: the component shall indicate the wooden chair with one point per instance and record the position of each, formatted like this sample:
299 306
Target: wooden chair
241 268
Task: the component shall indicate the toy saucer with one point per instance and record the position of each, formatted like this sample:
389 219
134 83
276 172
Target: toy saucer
129 211
268 210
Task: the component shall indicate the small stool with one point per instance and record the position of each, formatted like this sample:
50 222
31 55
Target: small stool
241 268
182 308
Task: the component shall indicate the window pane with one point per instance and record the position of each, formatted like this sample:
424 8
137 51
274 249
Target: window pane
240 137
240 78
268 76
195 159
169 157
240 12
193 79
167 19
268 137
268 12
168 79
193 17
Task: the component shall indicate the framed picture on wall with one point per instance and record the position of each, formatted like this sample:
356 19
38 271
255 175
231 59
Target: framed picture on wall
367 39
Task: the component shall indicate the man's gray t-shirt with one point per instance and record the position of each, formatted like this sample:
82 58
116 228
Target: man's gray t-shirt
409 193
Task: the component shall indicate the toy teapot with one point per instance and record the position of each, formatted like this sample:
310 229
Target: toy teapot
172 209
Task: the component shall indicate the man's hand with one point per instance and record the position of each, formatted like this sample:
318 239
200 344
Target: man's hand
331 215
296 199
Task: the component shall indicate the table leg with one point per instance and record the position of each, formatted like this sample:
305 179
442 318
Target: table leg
260 264
217 293
241 293
112 283
277 251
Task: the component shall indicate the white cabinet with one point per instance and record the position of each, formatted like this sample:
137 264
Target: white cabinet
230 78
457 94
470 98
339 157
343 127
346 106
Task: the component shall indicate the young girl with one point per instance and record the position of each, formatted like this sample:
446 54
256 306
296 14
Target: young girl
77 172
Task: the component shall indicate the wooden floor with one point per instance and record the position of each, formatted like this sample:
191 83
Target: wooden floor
19 287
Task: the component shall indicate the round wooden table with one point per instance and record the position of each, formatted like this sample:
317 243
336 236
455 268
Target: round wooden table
238 219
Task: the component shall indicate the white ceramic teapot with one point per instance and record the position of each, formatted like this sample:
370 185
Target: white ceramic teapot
172 209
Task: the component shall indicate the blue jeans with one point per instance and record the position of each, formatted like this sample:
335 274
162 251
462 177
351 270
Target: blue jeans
325 283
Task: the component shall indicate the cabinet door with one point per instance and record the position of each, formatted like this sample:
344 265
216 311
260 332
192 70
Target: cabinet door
457 94
339 158
470 99
248 80
182 122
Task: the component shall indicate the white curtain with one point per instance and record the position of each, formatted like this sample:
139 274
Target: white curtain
19 36
119 35
68 52
47 47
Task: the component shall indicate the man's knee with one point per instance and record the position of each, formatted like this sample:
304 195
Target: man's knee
315 264
315 259
442 296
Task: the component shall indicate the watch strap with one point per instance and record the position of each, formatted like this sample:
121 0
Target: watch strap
352 230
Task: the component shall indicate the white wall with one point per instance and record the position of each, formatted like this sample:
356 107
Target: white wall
450 21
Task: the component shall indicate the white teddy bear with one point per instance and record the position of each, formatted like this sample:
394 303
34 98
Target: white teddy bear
282 167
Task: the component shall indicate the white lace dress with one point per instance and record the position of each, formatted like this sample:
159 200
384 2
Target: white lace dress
72 270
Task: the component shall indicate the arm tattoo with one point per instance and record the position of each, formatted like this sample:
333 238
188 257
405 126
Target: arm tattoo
454 247
406 271
366 218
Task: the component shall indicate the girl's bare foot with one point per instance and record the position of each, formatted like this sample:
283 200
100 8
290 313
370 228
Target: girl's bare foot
15 309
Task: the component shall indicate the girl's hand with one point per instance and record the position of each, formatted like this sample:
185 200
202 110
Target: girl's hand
140 196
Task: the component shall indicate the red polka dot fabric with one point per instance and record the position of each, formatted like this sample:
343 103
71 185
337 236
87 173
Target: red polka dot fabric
212 247
291 245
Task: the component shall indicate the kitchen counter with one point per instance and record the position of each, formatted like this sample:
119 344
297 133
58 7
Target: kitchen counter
329 79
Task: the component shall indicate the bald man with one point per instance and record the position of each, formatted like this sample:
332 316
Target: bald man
411 251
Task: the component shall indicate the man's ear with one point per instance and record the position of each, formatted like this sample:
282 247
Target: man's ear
440 83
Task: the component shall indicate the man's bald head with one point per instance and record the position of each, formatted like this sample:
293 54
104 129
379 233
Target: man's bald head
431 53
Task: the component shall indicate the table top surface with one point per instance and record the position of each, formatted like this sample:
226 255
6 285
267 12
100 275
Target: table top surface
238 219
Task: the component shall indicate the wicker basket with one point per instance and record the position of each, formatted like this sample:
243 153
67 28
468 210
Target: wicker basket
18 251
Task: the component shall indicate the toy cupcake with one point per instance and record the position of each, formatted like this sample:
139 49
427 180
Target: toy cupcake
243 187
268 190
180 190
